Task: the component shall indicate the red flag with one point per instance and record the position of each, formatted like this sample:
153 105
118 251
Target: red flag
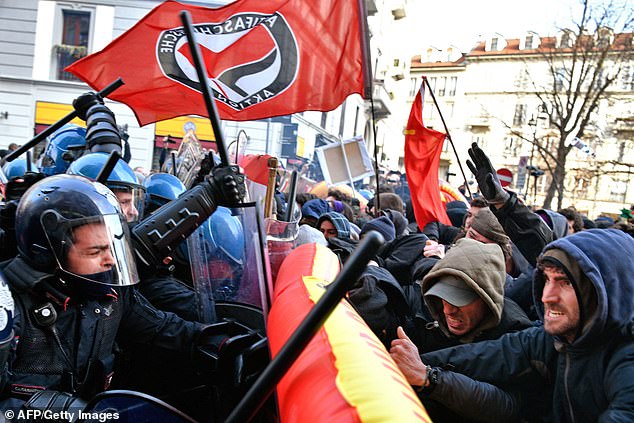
263 59
422 158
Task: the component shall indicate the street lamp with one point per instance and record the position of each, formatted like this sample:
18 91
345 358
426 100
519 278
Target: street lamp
535 171
533 124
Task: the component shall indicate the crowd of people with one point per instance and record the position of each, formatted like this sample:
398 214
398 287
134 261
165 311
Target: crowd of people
507 314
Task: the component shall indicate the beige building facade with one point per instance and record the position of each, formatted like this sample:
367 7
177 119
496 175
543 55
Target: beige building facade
488 96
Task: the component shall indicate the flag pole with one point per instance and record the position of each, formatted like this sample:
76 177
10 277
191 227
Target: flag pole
203 81
264 385
433 97
367 87
365 49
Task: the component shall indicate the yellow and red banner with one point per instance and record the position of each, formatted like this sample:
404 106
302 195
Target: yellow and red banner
344 374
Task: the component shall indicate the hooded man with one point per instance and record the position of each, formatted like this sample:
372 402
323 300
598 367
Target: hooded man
464 294
584 353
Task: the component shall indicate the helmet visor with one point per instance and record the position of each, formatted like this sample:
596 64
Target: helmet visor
131 199
95 249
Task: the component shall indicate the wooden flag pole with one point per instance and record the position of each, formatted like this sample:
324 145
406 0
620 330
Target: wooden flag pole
270 187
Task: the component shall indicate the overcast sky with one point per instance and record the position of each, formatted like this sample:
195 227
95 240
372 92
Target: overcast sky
460 22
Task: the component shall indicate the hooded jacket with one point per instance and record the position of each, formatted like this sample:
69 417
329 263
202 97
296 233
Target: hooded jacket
557 222
339 221
592 378
481 267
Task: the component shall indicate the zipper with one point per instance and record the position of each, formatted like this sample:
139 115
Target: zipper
432 325
570 410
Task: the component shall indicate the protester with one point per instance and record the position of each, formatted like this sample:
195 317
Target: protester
557 222
312 209
575 221
382 225
333 224
583 356
464 294
526 229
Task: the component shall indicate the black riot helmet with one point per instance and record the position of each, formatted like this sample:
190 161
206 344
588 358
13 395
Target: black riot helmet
73 227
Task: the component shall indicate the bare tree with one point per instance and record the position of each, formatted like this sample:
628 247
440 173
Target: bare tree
583 63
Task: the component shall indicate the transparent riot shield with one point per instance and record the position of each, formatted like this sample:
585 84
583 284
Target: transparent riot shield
280 239
228 260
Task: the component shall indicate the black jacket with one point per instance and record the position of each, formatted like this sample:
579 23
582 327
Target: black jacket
588 380
76 352
526 229
399 256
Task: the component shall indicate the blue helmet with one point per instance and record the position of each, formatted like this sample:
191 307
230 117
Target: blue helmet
224 235
160 189
60 218
122 181
17 168
62 148
219 249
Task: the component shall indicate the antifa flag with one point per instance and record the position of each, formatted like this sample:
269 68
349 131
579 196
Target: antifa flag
263 59
422 157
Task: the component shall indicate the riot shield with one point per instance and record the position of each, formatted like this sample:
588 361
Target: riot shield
228 260
280 239
130 406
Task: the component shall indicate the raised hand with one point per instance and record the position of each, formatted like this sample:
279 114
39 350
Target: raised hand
406 356
486 176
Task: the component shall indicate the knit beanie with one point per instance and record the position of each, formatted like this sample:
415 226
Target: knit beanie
382 225
486 224
307 235
456 211
397 218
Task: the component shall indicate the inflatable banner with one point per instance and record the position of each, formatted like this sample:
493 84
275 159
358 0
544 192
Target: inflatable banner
344 374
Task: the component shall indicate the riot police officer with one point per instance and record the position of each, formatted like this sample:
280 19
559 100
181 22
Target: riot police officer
71 285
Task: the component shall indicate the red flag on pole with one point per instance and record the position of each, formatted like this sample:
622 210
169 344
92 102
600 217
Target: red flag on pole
263 59
422 158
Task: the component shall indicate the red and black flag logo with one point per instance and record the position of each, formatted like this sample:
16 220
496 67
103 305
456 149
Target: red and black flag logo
262 59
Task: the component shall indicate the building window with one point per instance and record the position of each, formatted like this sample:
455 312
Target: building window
528 43
627 78
520 115
560 79
396 62
511 146
442 86
413 87
566 40
74 41
618 191
453 81
432 83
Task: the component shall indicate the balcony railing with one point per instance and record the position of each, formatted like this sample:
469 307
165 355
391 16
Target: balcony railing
65 55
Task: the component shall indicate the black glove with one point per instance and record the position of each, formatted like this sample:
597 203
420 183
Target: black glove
85 102
486 176
227 185
233 350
